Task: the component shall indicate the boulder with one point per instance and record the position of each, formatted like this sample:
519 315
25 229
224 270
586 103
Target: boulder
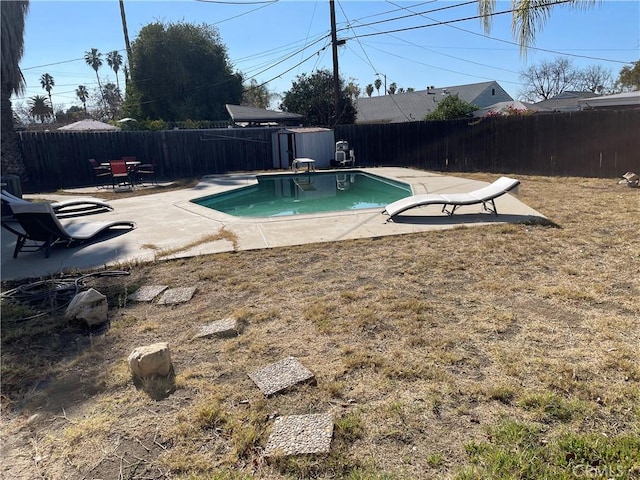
89 306
150 360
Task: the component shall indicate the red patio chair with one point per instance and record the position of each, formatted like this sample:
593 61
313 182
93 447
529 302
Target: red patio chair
120 174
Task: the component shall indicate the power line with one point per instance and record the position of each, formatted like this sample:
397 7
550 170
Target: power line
528 47
475 17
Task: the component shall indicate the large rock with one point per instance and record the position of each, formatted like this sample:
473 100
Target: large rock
89 306
150 360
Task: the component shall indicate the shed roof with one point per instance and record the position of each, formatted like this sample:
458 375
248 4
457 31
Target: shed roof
242 113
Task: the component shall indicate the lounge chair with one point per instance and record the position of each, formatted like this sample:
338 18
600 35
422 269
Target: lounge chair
74 207
42 229
485 196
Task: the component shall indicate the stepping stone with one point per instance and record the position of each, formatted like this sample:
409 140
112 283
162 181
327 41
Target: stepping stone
300 434
280 376
177 295
222 328
147 293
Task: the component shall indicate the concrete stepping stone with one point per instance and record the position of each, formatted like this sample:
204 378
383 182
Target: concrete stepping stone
147 293
280 376
222 328
300 434
177 295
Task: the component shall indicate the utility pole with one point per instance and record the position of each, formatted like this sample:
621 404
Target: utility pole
334 47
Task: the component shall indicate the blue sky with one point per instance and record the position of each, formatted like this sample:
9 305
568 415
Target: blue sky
259 37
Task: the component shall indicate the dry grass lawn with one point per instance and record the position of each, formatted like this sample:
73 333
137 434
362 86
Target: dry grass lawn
506 351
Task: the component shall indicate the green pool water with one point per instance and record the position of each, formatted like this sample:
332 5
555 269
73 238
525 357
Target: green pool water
305 193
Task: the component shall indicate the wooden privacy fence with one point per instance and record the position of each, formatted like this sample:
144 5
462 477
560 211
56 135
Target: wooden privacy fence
58 160
590 144
594 143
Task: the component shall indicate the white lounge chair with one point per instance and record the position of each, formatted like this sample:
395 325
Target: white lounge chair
485 196
40 226
74 207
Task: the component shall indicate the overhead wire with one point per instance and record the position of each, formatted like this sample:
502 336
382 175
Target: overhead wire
475 17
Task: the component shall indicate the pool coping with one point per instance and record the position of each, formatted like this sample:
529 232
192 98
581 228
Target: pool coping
169 222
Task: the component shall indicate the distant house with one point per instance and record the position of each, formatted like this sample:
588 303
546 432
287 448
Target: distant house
414 106
565 101
617 102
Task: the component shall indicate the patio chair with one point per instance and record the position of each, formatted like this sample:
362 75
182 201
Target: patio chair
40 228
101 172
120 174
145 170
485 195
74 207
342 159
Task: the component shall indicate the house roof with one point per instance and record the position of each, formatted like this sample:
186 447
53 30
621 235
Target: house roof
628 99
504 108
413 106
565 101
241 114
89 126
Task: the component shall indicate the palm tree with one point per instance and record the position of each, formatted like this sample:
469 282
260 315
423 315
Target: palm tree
39 108
528 16
114 60
127 45
369 90
12 44
392 88
377 84
47 83
83 95
92 58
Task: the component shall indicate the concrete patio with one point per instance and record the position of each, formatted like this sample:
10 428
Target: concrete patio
169 222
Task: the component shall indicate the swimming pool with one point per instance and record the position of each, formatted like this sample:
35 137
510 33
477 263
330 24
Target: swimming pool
306 193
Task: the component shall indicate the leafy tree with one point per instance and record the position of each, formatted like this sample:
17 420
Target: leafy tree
377 84
47 83
410 89
182 72
73 114
83 95
369 90
451 108
12 45
257 96
629 78
528 17
112 102
114 60
549 79
312 96
39 108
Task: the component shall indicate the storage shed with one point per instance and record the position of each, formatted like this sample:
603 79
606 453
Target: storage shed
311 142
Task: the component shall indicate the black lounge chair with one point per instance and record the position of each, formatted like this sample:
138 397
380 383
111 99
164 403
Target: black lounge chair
485 195
74 207
41 228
